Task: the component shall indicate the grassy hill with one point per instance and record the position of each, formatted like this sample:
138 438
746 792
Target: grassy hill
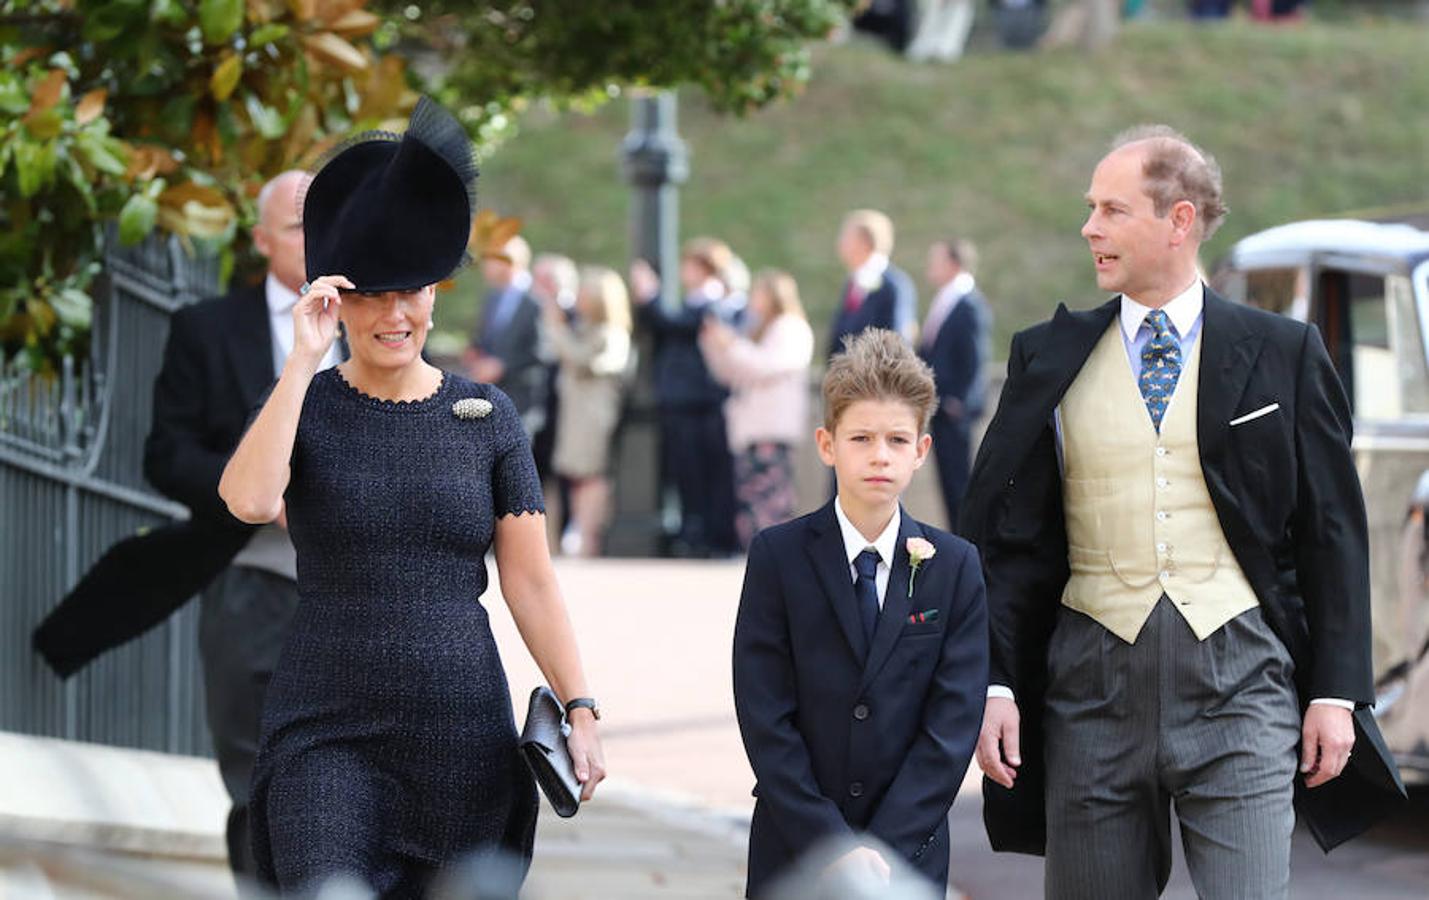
1306 121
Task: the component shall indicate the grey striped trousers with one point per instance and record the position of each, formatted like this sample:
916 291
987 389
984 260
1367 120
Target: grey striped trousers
1131 729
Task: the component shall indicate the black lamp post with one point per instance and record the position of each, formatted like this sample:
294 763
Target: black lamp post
655 162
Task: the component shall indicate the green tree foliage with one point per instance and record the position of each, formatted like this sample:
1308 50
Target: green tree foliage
487 59
138 114
144 114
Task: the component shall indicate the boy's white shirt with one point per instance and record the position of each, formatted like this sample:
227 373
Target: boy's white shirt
855 543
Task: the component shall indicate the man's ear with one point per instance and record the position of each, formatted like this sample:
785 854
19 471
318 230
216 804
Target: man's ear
261 243
1183 221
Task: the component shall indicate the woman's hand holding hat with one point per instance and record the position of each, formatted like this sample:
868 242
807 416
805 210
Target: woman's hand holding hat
315 317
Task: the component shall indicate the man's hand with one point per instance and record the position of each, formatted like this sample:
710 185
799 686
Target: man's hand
1326 739
860 865
644 282
485 369
998 750
718 334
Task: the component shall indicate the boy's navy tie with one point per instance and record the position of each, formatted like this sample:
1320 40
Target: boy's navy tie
865 587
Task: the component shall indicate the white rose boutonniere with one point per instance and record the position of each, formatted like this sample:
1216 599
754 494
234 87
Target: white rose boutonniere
919 551
471 408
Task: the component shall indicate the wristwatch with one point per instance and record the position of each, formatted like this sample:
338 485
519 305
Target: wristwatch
584 703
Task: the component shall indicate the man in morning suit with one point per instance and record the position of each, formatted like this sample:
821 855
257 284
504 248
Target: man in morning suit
1175 548
221 355
507 350
860 646
876 293
954 342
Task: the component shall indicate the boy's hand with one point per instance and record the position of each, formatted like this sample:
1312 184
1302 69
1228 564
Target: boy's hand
860 865
998 750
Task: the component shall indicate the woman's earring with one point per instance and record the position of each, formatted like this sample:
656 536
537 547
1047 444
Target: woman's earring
431 323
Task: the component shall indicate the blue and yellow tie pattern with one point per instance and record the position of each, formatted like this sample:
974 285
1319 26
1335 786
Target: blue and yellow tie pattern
1160 365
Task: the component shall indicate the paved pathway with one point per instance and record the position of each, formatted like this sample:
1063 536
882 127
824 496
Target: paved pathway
672 821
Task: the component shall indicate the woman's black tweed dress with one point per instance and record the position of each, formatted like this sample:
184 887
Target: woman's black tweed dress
388 743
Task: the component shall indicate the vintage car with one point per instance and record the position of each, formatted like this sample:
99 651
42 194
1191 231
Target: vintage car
1366 285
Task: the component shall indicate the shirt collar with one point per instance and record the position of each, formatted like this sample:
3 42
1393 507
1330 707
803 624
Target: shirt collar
855 543
870 275
1183 310
959 287
280 297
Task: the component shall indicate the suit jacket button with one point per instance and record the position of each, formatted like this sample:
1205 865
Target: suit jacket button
856 789
860 712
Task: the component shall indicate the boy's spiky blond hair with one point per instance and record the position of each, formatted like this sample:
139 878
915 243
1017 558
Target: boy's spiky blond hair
877 364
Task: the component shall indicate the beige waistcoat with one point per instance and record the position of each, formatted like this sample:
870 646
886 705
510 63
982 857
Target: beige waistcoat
1140 521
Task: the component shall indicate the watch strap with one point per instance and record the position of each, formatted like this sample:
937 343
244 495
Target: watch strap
583 703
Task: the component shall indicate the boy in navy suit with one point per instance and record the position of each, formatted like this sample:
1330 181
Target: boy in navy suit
861 645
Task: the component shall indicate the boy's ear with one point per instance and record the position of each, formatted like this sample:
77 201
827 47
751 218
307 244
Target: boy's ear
824 440
925 442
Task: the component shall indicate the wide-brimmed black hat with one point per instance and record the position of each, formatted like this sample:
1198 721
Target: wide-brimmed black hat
393 212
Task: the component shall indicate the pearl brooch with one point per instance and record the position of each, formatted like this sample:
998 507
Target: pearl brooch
472 408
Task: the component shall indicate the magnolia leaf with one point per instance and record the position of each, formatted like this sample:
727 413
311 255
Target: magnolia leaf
148 160
35 166
206 137
197 220
14 100
267 34
45 125
103 153
28 54
355 24
196 209
193 192
48 92
81 180
171 12
42 318
218 19
225 77
136 219
90 106
266 120
330 11
333 50
385 89
74 307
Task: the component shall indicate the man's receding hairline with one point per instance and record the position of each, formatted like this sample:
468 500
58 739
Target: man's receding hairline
269 190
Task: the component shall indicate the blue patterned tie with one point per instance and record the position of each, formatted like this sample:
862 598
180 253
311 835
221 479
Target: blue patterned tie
1160 366
866 589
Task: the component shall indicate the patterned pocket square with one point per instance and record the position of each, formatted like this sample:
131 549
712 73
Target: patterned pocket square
927 615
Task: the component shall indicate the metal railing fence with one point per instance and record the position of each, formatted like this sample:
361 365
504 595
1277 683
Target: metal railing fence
71 484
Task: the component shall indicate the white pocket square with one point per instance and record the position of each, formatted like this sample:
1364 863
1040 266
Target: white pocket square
1263 411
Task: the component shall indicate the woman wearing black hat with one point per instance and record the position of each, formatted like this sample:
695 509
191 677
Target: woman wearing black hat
389 745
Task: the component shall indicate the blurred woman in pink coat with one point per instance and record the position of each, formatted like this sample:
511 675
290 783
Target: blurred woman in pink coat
767 412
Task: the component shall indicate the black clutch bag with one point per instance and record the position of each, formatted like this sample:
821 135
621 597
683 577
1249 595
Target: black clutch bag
543 744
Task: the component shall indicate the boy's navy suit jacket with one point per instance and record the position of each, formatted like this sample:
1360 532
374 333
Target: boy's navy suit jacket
847 738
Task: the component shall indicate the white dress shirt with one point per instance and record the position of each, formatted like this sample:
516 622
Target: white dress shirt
855 543
869 276
943 304
281 301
